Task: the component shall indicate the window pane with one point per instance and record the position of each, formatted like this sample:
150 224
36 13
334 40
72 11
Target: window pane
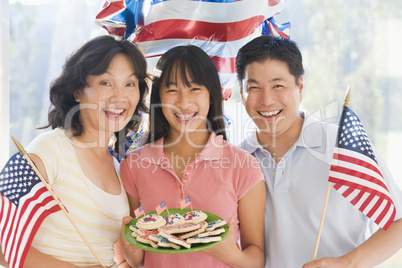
41 37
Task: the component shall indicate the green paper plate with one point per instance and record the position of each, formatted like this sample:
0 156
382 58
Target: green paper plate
194 247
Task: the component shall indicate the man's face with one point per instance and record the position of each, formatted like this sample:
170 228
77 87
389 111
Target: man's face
272 97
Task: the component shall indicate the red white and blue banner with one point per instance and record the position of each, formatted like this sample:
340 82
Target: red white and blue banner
219 27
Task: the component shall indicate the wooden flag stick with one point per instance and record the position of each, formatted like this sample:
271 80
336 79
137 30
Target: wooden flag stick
317 242
26 156
347 97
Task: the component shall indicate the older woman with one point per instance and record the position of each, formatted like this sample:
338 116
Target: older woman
100 92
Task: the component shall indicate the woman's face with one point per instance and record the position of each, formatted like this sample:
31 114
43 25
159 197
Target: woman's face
109 100
185 107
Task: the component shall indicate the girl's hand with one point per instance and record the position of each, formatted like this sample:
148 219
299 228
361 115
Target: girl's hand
225 248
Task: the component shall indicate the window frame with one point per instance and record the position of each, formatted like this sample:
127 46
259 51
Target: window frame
5 82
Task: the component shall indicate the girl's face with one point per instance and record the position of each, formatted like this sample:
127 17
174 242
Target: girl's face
185 108
109 100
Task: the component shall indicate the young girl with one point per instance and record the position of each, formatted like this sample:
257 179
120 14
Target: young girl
187 155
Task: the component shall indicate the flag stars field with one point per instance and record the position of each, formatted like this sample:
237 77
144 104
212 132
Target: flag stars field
354 136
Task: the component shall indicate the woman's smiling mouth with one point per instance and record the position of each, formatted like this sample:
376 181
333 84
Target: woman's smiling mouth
114 112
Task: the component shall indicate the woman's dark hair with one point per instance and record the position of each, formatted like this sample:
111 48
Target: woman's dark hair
94 58
269 47
192 64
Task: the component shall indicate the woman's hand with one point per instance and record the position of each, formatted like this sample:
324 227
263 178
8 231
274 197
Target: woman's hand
134 256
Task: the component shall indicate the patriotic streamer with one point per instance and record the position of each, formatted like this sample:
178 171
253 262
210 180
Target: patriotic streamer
121 18
271 27
219 27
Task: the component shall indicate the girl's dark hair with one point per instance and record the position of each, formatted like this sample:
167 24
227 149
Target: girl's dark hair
270 47
94 58
192 64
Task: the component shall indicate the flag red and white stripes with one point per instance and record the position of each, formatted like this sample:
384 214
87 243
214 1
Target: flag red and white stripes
355 172
139 211
219 27
24 204
161 207
185 202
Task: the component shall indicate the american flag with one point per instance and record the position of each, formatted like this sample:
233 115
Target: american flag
219 27
355 172
24 204
161 207
139 211
185 202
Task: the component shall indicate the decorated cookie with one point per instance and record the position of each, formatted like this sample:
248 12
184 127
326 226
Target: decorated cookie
137 232
174 219
156 238
134 229
179 228
203 240
215 224
146 232
176 240
195 232
191 234
150 222
212 233
164 242
145 240
176 231
195 216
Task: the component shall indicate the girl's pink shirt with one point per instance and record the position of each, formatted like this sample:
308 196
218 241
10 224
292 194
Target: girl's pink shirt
215 181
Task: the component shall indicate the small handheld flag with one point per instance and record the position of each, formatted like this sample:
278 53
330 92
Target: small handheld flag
185 202
161 207
24 204
139 211
37 224
356 174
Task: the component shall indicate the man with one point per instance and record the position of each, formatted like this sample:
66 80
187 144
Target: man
295 152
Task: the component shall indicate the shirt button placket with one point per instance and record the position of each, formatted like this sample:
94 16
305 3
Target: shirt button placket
184 179
187 173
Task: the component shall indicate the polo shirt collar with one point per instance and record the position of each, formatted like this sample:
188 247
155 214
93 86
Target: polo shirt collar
251 144
213 150
311 135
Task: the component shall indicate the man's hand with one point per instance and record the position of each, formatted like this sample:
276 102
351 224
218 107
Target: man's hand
341 262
